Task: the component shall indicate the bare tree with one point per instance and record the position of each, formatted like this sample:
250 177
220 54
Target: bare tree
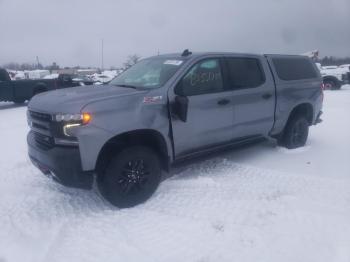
132 59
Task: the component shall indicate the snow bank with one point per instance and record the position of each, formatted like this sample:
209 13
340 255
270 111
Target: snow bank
37 74
52 76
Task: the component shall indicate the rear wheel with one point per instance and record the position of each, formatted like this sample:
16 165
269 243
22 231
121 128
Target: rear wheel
295 133
330 85
131 177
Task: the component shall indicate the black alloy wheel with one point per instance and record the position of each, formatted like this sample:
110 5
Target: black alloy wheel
131 177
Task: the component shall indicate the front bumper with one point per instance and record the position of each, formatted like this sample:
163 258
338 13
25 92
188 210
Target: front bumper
62 163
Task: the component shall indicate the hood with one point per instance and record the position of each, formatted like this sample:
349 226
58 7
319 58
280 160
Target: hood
72 100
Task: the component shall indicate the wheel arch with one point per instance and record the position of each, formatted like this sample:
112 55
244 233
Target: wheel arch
303 109
146 137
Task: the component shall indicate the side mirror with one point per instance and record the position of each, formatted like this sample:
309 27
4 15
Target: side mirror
181 107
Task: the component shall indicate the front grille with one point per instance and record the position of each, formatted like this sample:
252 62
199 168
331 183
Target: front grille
39 126
40 116
44 142
40 122
47 132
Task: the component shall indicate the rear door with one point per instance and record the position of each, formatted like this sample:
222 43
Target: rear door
209 113
253 95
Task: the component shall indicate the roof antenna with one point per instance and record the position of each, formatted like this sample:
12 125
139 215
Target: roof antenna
186 53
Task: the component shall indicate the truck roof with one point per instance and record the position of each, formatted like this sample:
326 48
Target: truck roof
199 54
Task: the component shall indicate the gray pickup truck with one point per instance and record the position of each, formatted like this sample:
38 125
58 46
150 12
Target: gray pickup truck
166 109
18 91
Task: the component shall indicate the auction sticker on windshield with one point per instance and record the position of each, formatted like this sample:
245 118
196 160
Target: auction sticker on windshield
173 62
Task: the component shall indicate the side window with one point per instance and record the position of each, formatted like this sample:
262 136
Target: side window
203 78
294 68
244 73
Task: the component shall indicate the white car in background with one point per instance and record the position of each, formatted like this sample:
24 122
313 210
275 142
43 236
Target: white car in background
105 76
99 78
51 76
334 76
37 74
346 66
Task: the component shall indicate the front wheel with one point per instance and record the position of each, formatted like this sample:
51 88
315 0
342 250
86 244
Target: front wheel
295 133
131 177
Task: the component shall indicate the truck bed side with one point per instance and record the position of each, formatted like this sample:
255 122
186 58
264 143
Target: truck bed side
291 93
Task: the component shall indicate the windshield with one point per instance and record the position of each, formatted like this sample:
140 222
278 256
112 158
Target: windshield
149 73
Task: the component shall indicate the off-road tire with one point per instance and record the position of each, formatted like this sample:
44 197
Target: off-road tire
295 133
130 177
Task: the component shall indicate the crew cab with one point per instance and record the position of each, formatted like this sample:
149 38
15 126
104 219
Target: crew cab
18 91
166 109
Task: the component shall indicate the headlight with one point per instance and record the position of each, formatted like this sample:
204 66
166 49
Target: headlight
68 117
83 118
70 121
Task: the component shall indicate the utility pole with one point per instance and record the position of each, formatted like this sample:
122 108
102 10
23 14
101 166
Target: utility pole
37 62
102 62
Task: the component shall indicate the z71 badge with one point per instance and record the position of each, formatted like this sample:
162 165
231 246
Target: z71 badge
152 99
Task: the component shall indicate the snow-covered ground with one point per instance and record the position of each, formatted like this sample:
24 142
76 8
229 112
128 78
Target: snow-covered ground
258 203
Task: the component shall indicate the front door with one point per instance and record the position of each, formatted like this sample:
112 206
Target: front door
209 112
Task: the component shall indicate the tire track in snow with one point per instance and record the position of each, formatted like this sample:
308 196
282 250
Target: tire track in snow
197 214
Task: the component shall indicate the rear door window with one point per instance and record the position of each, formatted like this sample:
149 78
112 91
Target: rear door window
244 73
294 68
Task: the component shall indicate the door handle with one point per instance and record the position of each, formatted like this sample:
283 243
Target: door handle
266 96
223 102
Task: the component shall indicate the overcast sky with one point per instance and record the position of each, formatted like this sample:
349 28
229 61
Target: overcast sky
69 32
